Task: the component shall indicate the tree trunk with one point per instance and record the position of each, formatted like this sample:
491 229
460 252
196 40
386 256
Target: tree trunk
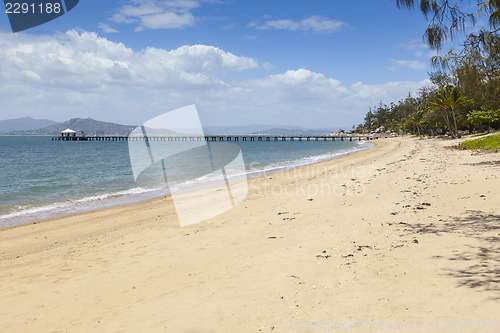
448 124
454 122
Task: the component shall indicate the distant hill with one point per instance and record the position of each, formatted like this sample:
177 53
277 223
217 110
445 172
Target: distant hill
264 129
24 124
89 126
293 131
245 129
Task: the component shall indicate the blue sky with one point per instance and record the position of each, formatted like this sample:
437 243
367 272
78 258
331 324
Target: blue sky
320 63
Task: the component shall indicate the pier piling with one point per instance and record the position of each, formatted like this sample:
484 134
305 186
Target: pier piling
214 138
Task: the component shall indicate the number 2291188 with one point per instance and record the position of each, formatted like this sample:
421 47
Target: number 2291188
31 8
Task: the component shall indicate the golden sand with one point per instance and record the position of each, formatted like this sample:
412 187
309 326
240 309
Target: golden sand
404 236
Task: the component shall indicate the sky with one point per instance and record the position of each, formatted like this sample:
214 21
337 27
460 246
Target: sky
313 64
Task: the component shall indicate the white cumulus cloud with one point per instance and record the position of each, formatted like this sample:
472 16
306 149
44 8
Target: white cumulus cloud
106 28
157 14
413 64
87 61
319 24
80 74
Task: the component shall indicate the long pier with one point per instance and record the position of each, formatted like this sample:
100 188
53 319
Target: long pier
219 138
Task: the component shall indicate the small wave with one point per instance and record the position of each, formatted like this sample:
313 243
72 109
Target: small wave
361 145
25 214
136 191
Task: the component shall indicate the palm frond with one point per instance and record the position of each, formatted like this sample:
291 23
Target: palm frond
494 19
409 4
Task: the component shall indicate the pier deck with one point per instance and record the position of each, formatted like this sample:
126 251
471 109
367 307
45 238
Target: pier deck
220 138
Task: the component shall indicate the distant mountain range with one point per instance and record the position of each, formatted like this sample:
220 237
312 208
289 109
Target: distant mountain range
293 131
89 126
265 129
29 126
24 124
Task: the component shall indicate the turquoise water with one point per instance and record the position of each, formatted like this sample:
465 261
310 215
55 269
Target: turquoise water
41 178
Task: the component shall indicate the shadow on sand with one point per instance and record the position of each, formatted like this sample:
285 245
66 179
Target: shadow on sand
483 272
486 163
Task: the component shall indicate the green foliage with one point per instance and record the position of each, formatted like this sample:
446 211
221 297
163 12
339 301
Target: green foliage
448 98
491 142
468 80
492 7
449 17
407 115
415 121
446 102
484 116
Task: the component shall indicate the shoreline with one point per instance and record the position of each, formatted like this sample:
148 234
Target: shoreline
414 241
119 199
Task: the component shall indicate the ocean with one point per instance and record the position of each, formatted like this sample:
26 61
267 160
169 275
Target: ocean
41 178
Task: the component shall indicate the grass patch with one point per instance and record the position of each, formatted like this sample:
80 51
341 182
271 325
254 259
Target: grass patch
491 142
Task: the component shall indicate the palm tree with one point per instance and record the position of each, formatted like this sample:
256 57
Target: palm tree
417 119
447 100
447 17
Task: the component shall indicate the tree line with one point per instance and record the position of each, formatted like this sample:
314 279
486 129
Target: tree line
465 95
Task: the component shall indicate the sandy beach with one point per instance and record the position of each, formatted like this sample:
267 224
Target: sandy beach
403 237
